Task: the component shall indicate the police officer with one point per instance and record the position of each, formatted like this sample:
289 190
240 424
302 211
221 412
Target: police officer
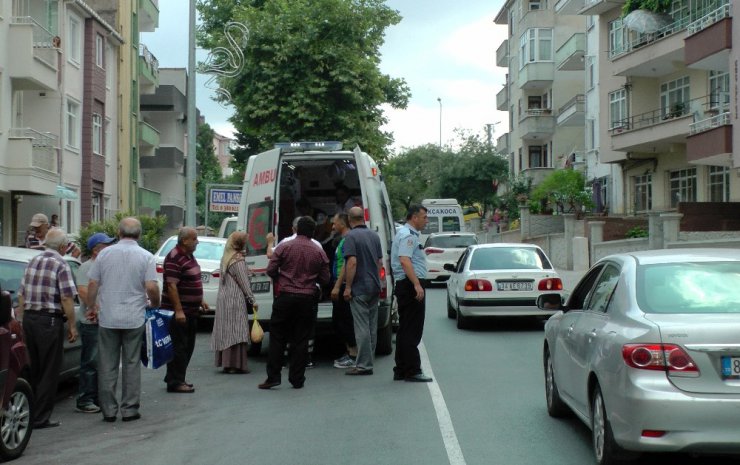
409 270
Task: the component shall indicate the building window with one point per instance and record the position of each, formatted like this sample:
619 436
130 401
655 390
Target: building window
521 160
719 184
591 73
96 207
643 191
107 140
618 110
535 45
99 51
75 39
590 134
674 97
719 89
97 126
683 186
73 124
618 37
538 156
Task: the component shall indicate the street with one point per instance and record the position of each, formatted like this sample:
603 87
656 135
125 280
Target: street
486 406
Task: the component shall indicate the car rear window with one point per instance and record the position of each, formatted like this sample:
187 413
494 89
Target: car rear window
204 251
12 274
508 258
702 287
451 242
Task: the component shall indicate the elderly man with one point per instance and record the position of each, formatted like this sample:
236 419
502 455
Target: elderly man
37 232
45 298
182 292
124 276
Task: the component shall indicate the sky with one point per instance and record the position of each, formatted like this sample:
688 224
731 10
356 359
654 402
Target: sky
443 50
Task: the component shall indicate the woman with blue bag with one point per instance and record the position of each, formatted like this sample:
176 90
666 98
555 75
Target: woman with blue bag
230 337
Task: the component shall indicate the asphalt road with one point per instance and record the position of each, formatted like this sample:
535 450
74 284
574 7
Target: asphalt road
486 407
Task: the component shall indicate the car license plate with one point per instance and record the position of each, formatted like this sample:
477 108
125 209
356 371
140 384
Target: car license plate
515 286
261 286
205 277
731 367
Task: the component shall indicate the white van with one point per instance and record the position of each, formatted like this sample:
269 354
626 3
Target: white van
228 226
292 175
445 215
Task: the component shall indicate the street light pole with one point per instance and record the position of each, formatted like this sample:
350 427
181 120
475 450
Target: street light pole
440 121
192 128
489 132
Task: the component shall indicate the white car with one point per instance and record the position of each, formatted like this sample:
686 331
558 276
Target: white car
208 253
499 280
444 248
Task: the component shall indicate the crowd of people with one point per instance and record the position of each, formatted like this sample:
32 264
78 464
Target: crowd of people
118 282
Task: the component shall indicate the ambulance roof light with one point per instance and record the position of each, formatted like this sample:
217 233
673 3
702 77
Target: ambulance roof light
328 146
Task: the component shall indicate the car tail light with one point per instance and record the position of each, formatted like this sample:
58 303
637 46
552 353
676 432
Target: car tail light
431 250
476 285
661 357
550 284
652 433
383 284
367 215
160 268
216 273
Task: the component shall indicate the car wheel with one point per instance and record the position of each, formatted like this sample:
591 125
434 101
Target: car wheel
15 423
463 322
451 313
606 450
385 340
555 405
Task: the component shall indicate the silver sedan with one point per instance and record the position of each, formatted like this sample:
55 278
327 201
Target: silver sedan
646 352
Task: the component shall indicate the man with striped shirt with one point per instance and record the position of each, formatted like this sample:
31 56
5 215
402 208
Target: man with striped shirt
182 292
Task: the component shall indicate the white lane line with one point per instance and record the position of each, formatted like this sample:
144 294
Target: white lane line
454 452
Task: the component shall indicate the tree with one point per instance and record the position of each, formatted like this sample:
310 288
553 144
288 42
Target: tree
562 191
209 172
310 71
152 230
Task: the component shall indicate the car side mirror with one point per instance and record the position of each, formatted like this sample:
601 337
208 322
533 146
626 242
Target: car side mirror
550 302
449 267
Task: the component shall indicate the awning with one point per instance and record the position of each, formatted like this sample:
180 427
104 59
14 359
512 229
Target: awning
65 193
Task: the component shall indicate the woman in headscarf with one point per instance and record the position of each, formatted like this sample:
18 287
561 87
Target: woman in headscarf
230 337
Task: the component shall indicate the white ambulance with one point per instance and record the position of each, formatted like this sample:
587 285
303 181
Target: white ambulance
318 179
445 215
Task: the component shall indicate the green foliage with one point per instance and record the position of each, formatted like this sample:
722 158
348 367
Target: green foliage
562 191
152 229
636 232
657 6
311 72
519 189
209 172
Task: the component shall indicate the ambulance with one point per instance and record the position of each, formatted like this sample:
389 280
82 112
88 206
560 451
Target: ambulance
282 183
445 215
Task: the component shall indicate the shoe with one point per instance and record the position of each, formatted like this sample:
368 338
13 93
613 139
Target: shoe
298 386
398 377
181 389
358 372
345 362
47 424
134 417
419 378
310 365
89 408
268 384
109 419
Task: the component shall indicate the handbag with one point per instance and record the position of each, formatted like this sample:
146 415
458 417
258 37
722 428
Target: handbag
256 334
157 348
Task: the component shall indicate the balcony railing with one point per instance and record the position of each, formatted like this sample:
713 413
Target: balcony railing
637 40
723 119
578 99
724 11
43 147
651 118
536 112
149 59
574 46
43 40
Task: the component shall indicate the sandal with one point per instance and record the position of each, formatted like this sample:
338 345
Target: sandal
181 389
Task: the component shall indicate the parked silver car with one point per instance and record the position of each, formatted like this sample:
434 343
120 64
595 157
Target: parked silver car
646 352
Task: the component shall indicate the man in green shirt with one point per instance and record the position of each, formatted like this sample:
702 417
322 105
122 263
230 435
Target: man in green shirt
341 313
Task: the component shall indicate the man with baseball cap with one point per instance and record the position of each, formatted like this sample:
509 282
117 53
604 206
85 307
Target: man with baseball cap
87 397
37 231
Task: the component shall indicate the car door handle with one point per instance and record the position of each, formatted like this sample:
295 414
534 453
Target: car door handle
570 330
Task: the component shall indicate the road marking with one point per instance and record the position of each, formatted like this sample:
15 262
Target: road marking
454 452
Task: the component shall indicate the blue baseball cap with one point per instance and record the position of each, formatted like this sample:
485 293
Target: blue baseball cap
99 238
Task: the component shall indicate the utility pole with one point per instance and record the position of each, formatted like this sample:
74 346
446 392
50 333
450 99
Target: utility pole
439 99
192 126
489 133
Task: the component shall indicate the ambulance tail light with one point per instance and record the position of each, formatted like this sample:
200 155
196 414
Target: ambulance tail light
383 284
367 215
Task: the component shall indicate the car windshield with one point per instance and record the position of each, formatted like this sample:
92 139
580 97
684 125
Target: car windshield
508 258
204 251
451 242
703 287
11 274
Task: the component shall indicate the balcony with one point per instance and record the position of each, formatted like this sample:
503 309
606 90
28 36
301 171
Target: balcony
573 113
169 158
502 99
32 167
598 7
537 75
502 54
710 140
650 55
149 201
502 144
537 124
148 15
569 7
34 63
537 175
148 139
710 40
570 55
148 71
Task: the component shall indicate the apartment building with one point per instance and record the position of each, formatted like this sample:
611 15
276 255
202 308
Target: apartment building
544 90
222 146
58 68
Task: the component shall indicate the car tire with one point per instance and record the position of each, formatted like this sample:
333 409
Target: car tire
15 423
451 313
555 406
606 450
384 345
463 322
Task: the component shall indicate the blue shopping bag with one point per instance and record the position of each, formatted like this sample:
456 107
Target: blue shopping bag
157 348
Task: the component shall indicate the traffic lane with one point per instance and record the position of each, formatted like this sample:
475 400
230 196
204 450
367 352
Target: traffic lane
335 419
492 378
